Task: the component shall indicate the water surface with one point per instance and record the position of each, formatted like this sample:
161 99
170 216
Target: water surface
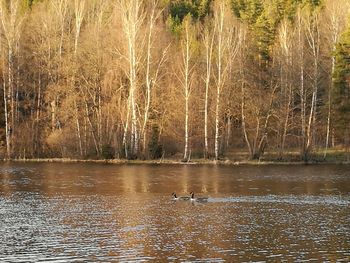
124 213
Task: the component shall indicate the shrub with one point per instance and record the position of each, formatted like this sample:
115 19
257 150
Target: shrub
107 152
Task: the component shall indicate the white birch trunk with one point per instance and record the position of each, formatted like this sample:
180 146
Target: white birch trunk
125 132
228 38
10 96
7 127
134 130
287 91
245 133
79 16
78 128
186 127
187 75
313 38
7 134
208 40
132 18
301 89
11 22
217 116
79 7
207 82
149 80
220 25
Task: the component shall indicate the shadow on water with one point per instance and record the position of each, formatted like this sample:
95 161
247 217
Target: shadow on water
93 212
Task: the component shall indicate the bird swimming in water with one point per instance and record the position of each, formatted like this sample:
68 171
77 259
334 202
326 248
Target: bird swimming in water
198 199
180 198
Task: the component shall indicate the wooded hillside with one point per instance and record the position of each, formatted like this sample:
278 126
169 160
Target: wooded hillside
201 78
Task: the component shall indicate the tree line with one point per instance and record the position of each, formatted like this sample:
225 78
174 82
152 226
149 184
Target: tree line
188 78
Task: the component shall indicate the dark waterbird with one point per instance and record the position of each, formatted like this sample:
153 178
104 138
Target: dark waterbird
180 198
198 199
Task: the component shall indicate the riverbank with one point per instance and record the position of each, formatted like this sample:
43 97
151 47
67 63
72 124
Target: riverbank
333 156
178 162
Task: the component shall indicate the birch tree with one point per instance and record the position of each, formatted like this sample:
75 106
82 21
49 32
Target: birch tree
153 64
227 40
312 35
257 97
187 68
11 23
285 58
336 12
60 14
132 16
96 99
301 68
79 76
79 9
208 41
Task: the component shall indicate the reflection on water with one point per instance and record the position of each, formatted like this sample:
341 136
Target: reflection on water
89 212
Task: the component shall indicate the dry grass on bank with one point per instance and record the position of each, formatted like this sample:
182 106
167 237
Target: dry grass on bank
333 156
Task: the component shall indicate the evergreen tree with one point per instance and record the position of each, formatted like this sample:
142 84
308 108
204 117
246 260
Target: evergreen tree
179 9
264 35
247 10
155 148
341 83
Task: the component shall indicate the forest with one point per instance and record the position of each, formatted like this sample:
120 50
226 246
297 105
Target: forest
149 79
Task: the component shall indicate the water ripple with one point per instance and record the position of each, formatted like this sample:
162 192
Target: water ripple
291 199
56 213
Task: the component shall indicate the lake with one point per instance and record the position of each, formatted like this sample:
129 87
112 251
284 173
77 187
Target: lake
124 213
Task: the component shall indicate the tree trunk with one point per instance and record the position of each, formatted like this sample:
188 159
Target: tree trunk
78 128
217 116
132 18
209 43
219 76
92 128
187 75
186 128
313 38
11 100
245 133
7 126
302 91
126 127
286 121
148 80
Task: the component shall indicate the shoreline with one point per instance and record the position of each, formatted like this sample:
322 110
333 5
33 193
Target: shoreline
175 162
